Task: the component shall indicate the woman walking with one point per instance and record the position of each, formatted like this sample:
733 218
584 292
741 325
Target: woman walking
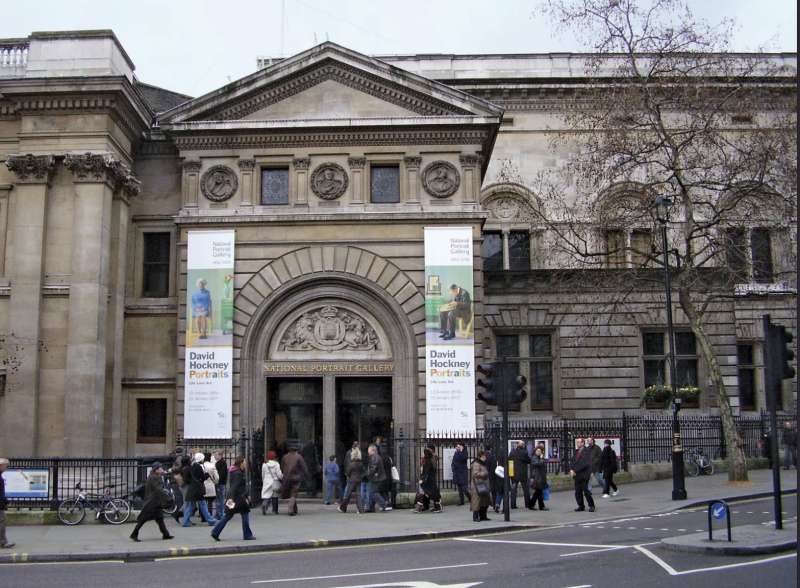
210 485
237 502
271 477
608 465
195 492
355 474
428 485
538 479
480 488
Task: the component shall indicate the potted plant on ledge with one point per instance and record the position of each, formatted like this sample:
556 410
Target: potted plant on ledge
660 395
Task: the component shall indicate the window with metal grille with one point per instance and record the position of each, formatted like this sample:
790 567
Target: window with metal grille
275 186
519 250
385 184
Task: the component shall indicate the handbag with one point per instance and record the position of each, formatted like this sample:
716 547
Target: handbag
276 485
395 474
482 488
500 472
230 504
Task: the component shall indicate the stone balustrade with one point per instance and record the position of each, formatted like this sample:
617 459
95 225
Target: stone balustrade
13 55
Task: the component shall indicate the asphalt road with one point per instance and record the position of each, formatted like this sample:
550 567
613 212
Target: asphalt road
618 553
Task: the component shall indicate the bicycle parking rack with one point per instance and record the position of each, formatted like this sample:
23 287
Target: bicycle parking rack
711 511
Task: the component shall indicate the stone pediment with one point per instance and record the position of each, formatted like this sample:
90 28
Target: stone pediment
325 82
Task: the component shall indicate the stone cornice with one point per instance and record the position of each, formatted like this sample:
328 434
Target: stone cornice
391 136
103 167
31 169
192 165
377 216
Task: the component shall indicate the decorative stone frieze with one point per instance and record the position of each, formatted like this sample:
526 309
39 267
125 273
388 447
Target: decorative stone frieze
192 166
412 161
440 179
33 169
356 162
301 162
329 181
330 329
247 164
219 183
469 160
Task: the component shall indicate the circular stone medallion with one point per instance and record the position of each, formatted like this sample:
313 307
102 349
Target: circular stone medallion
329 181
440 179
219 183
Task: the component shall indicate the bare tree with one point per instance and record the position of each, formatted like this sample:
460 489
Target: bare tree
669 111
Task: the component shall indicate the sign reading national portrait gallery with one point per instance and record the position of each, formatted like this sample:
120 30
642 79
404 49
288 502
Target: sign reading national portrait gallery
449 332
208 377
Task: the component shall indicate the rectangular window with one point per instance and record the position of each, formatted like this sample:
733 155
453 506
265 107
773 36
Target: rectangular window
655 350
641 247
519 250
540 382
492 252
615 249
385 184
275 186
2 382
747 376
761 248
152 420
155 275
736 253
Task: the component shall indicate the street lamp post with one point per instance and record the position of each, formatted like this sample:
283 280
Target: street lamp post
662 205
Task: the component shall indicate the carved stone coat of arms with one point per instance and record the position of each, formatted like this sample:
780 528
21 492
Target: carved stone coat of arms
329 329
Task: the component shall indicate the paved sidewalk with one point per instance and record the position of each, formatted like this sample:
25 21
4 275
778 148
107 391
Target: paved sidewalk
746 540
319 525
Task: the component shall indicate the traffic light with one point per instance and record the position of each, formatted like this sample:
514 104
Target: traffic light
786 354
489 393
777 359
518 392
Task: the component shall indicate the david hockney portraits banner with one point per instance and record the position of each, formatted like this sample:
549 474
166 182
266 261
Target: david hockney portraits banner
449 335
208 377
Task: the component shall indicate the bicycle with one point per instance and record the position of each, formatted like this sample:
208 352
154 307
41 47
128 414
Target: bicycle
696 463
72 511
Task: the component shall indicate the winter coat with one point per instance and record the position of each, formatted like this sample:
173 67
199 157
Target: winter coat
222 472
460 469
237 491
375 471
495 480
3 499
539 470
210 483
582 464
521 462
294 467
270 473
596 455
428 478
354 471
197 476
479 473
386 485
789 438
608 461
154 498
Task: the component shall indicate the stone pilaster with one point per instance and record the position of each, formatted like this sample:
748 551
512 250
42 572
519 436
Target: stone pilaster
247 168
470 171
21 404
356 165
95 177
300 165
190 185
412 164
5 189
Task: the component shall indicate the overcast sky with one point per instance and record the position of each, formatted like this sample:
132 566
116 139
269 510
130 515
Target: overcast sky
196 46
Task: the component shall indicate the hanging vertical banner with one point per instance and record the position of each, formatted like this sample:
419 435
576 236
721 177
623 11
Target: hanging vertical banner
208 372
449 332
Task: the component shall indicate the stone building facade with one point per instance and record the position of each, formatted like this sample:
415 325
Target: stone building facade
328 165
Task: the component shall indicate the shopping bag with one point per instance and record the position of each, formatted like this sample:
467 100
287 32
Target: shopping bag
546 492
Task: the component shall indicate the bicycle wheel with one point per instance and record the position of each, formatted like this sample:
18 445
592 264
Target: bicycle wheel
116 511
709 469
71 511
692 468
170 504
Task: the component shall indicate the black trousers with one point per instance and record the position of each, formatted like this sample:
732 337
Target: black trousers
462 492
526 491
538 496
159 519
608 481
581 490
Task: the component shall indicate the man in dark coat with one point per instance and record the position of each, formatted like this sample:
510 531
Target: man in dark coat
597 470
295 471
460 307
4 542
154 501
581 471
519 455
222 473
460 473
376 475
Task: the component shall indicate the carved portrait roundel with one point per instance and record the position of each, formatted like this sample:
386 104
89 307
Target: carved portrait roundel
440 179
329 181
219 183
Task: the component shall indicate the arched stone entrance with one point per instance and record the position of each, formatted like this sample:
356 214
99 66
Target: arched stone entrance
333 328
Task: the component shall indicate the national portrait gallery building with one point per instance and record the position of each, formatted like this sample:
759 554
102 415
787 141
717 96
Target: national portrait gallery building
323 250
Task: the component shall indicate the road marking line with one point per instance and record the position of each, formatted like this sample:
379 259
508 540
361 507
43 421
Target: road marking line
543 543
681 530
581 586
664 529
62 563
673 572
648 528
383 572
616 527
631 528
594 551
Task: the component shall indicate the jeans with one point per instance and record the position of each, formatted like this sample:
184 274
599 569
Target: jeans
188 508
246 532
789 456
331 490
348 492
373 496
219 501
598 476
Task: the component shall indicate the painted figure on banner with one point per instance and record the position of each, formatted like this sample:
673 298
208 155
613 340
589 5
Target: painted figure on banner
459 307
201 308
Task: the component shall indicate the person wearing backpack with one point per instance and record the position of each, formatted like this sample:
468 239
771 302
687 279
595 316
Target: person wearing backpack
608 465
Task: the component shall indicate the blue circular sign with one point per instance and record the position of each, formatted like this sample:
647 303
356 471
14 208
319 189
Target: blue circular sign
718 510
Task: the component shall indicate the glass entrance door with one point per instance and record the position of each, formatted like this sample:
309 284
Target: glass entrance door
297 421
363 412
